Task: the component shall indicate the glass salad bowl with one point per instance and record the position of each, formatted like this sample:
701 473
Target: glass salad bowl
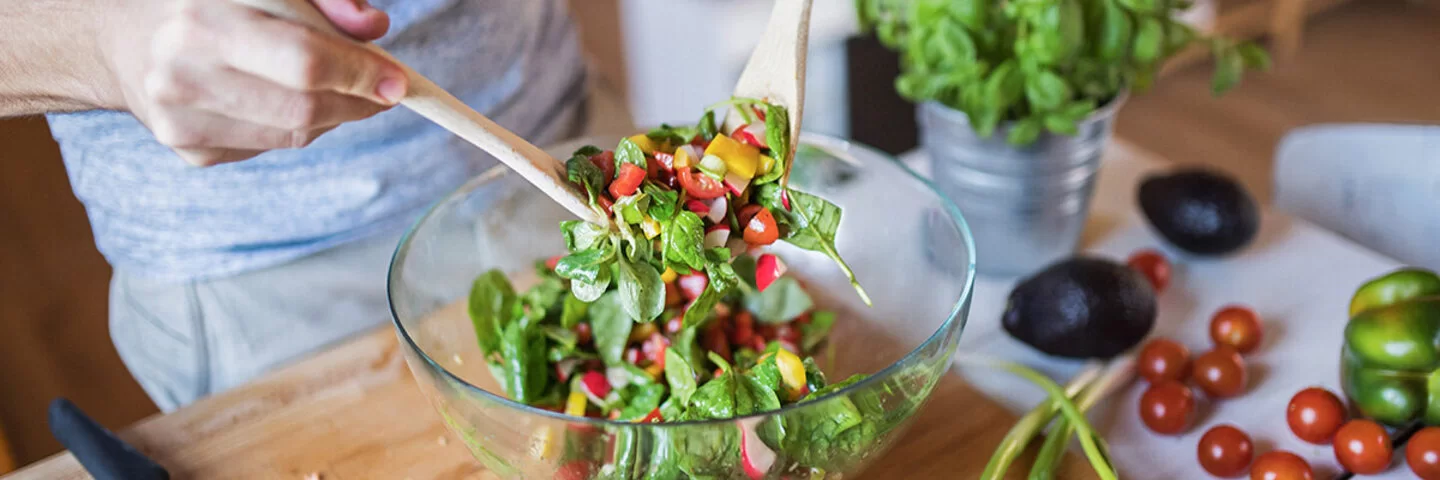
908 245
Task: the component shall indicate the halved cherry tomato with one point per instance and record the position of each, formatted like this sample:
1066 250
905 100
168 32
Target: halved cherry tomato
1225 451
761 228
1363 447
1153 266
1237 327
699 185
583 334
606 162
1164 359
1281 465
1422 453
1315 415
628 180
1220 372
1167 407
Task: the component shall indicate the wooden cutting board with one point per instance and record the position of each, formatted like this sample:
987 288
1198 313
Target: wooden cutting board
355 412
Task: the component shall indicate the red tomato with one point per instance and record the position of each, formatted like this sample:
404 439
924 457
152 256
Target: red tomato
1153 266
605 203
1164 359
1422 453
582 333
666 161
606 162
1225 451
1315 414
552 261
1281 465
653 348
1167 406
744 328
692 284
1363 447
628 180
761 228
576 470
672 295
1237 327
1220 372
699 185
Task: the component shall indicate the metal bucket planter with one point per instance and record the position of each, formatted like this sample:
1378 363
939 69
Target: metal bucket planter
1026 206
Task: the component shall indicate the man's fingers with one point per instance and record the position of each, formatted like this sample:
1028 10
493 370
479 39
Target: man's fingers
298 57
193 129
207 157
355 17
249 98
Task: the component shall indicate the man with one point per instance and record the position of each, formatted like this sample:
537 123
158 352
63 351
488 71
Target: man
270 250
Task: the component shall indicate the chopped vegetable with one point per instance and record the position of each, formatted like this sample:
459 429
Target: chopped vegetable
1237 327
1220 372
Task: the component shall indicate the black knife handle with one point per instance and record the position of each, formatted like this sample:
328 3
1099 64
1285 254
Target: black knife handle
102 454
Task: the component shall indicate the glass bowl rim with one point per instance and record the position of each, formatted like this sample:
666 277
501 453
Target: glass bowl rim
829 144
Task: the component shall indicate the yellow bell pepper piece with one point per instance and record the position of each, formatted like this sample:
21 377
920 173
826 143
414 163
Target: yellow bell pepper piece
767 163
645 143
683 159
542 445
575 404
650 227
668 275
740 159
792 372
654 370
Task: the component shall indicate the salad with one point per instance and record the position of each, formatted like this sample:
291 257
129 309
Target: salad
676 311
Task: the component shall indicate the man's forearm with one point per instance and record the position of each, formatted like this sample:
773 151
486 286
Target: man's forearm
49 57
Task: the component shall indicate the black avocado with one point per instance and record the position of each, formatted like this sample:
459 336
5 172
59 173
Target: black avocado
1200 211
1081 308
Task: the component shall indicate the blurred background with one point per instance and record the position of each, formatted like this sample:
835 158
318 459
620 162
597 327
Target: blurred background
1335 61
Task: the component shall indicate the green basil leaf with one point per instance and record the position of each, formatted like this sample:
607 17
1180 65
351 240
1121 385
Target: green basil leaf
972 13
1149 39
610 326
1142 6
572 311
1005 85
663 203
1060 124
1229 66
781 302
586 175
682 240
585 265
1025 132
629 152
591 291
1113 41
1046 91
491 305
581 235
679 375
642 292
1254 56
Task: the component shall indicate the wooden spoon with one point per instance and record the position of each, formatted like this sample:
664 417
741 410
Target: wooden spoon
776 69
432 102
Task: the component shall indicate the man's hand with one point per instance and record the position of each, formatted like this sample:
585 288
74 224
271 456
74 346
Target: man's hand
219 82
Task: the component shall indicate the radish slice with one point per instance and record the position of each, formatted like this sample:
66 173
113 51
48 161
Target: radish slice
768 268
754 454
716 236
700 208
718 207
596 384
736 183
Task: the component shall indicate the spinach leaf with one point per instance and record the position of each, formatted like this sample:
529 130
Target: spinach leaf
702 306
563 337
611 328
586 265
817 221
815 435
590 291
582 235
663 461
587 151
491 306
646 398
817 330
673 135
777 132
776 171
814 378
782 302
714 399
744 267
522 351
543 299
629 152
679 375
586 175
708 453
682 240
625 455
766 373
642 292
663 203
572 311
631 208
706 127
685 344
722 278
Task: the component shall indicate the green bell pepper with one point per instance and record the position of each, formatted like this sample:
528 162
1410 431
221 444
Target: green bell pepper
1390 364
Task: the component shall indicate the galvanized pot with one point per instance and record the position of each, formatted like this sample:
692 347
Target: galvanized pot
1026 206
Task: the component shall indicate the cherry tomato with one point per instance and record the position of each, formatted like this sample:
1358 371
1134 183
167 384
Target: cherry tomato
1315 414
1166 407
1237 327
1225 451
761 228
605 161
1422 453
1363 447
699 185
1281 465
628 180
1153 266
666 161
582 333
1220 372
1164 359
